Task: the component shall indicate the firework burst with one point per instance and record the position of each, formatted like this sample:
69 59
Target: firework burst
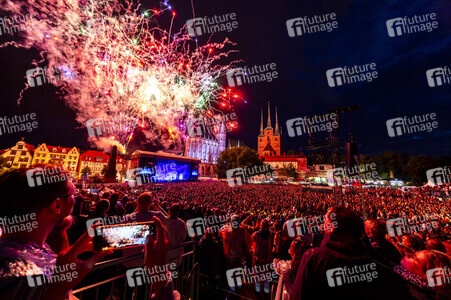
121 67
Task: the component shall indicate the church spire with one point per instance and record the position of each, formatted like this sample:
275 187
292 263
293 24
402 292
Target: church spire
268 125
276 131
261 125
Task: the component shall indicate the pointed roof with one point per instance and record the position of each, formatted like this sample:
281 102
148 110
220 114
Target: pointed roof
268 123
276 131
261 125
268 147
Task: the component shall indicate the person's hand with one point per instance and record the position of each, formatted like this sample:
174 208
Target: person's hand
156 203
156 253
68 260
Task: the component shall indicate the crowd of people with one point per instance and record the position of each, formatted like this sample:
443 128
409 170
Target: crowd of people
251 226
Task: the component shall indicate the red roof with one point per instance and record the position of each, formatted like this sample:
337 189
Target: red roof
58 149
282 157
91 155
30 148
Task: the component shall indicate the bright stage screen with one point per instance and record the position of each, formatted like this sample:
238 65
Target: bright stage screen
163 170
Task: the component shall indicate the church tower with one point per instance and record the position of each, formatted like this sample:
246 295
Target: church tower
221 136
269 139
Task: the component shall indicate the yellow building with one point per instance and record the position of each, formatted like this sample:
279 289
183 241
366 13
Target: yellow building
19 156
62 156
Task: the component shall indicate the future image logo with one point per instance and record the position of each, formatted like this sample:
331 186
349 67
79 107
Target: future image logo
253 74
104 127
12 24
141 276
408 25
360 173
238 176
310 125
408 125
439 176
353 74
438 76
406 226
312 224
47 175
351 274
57 274
110 220
39 76
309 25
198 226
140 176
209 25
197 127
438 276
257 274
18 123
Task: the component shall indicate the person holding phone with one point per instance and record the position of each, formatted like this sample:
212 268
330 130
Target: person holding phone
143 213
156 254
25 253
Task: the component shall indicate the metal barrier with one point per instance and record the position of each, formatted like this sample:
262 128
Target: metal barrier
187 284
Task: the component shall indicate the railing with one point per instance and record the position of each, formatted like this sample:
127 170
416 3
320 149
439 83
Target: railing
187 283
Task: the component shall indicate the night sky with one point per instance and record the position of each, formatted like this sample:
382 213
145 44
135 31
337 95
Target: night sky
301 88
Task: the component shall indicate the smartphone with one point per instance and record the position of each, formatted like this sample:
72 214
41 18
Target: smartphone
120 236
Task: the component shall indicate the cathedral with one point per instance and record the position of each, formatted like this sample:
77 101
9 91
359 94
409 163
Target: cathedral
206 145
269 142
270 146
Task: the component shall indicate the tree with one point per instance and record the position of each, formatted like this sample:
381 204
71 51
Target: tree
236 157
289 171
86 171
417 167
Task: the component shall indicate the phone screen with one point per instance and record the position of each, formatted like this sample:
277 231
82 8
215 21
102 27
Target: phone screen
122 235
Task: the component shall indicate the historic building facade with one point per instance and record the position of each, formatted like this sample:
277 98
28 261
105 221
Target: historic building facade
270 146
19 156
269 139
206 144
67 158
96 161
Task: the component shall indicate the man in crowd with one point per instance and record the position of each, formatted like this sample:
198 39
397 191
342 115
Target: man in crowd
143 213
25 253
384 251
145 202
237 242
342 268
176 233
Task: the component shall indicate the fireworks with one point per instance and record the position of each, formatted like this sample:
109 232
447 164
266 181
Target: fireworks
121 66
